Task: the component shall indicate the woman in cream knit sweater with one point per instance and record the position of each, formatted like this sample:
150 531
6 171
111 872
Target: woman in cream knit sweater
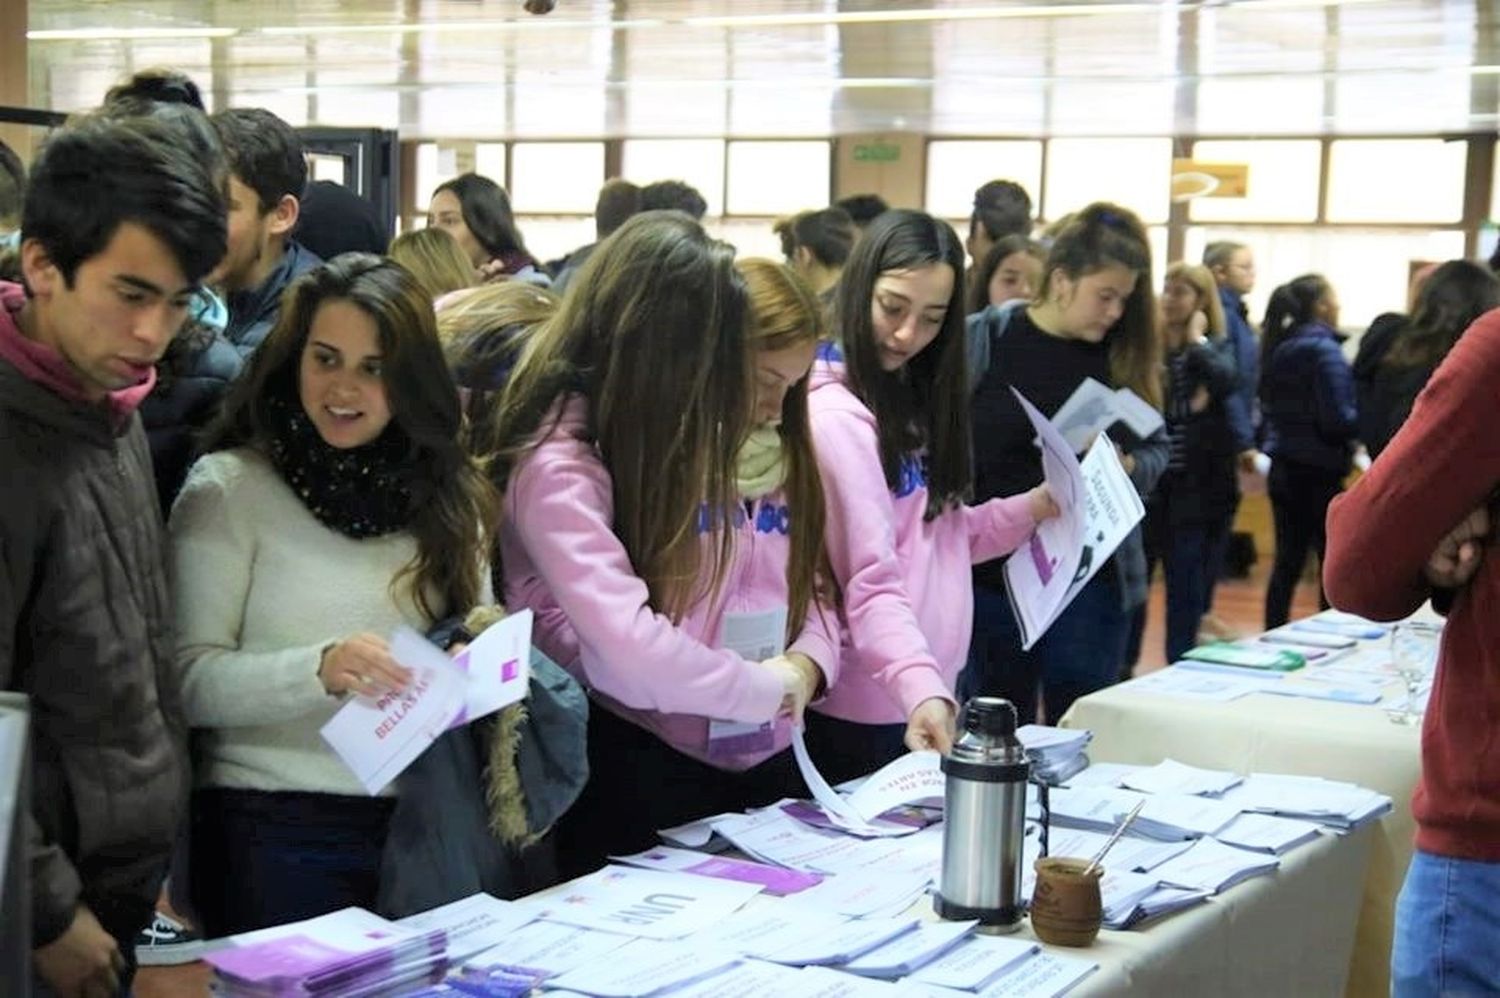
334 505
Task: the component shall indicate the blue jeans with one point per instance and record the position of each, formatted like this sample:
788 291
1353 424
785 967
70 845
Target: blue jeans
1447 929
1080 653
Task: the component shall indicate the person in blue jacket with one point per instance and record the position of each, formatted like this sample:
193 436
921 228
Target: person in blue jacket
1309 423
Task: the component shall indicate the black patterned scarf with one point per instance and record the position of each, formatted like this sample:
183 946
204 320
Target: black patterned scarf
360 491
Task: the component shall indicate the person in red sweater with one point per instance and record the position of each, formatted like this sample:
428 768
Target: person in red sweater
1416 526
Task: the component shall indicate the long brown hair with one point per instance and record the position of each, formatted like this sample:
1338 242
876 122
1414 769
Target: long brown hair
785 314
1099 236
652 334
452 502
925 405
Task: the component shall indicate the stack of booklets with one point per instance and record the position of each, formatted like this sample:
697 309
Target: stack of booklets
1330 803
1056 754
350 953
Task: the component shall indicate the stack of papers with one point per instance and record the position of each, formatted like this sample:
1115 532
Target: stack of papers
645 967
1181 816
472 925
774 880
1122 893
346 953
908 953
1212 866
1046 975
1130 852
1267 833
1330 803
1172 777
975 962
650 904
1092 808
1056 754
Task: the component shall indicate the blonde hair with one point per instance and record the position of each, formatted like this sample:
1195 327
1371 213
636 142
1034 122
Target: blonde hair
492 307
1201 279
784 313
434 259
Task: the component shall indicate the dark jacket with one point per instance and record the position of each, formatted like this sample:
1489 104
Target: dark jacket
1385 394
982 334
1205 486
190 381
85 632
252 313
1307 398
1239 407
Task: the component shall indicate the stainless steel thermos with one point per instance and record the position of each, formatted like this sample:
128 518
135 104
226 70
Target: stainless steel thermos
985 818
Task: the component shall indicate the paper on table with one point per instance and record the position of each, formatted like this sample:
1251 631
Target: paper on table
1194 684
473 924
1172 777
1181 816
975 962
843 942
1267 833
694 834
645 903
498 667
747 979
820 982
1047 975
379 738
1211 865
777 881
646 967
913 777
774 837
908 952
765 928
858 893
550 947
1130 852
1100 774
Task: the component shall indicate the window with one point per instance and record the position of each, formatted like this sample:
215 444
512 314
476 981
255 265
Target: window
778 178
699 162
1283 182
956 169
556 177
1368 268
1396 180
1134 173
440 162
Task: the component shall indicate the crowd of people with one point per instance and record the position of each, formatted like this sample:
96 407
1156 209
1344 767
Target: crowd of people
245 441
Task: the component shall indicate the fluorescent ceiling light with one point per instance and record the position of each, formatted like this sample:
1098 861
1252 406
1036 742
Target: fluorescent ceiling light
125 34
459 27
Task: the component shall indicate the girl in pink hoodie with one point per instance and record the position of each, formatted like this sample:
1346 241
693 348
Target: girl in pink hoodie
665 531
891 427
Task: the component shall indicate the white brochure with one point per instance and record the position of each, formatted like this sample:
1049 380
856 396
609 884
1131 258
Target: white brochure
473 924
379 738
646 967
976 961
550 947
1046 975
646 903
908 952
843 942
1098 507
1094 408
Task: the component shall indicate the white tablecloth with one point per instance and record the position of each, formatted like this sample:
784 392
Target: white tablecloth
1288 934
1276 734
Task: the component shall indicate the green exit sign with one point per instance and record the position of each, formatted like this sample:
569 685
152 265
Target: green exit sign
876 152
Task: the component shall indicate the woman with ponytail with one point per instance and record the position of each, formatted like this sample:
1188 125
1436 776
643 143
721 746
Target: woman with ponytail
1310 421
663 519
1095 317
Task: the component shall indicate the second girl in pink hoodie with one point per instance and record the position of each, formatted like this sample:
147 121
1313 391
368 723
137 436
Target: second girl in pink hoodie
696 666
891 427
